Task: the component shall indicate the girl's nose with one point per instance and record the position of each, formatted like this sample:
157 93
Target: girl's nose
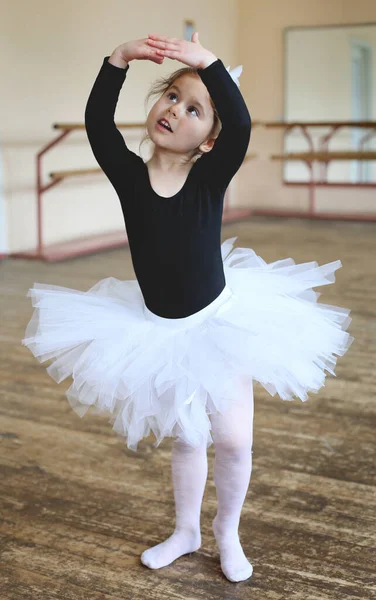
174 110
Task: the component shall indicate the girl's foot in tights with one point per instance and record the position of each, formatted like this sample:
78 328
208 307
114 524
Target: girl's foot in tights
233 436
232 433
234 563
189 473
179 543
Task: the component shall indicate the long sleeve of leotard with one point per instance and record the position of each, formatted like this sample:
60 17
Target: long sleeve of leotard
106 141
230 147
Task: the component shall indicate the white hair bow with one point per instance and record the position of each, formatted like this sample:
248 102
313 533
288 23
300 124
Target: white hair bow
235 73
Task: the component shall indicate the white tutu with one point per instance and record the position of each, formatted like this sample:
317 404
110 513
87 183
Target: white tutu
151 373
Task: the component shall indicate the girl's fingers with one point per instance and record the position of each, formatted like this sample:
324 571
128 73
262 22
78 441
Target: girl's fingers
161 38
169 53
163 45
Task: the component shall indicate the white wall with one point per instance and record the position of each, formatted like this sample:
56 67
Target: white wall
261 38
50 54
3 216
318 87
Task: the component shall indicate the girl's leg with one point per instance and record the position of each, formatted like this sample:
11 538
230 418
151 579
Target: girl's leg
189 474
233 436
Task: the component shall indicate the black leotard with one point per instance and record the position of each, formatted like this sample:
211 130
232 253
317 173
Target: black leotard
175 242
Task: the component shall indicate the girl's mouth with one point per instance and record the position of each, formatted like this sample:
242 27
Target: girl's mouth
163 128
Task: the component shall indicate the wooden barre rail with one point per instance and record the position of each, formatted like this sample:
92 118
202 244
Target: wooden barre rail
326 156
88 244
91 243
59 175
318 149
76 126
286 124
267 124
250 156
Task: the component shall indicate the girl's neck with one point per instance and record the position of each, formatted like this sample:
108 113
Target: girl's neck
170 162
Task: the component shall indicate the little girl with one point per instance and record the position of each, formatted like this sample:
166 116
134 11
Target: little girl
176 350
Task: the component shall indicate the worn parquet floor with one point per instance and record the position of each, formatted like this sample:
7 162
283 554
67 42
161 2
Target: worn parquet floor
78 508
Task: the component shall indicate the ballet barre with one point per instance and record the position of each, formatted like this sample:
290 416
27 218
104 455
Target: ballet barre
92 243
309 158
323 156
58 175
323 142
333 126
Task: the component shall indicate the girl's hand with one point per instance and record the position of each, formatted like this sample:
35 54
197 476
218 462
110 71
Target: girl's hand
138 50
189 53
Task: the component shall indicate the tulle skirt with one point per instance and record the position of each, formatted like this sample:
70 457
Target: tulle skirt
153 374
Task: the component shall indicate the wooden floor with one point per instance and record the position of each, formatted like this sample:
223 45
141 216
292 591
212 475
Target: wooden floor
78 508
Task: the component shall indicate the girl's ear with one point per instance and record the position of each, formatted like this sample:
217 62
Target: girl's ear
208 145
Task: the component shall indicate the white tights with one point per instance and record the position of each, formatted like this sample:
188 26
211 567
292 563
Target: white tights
233 436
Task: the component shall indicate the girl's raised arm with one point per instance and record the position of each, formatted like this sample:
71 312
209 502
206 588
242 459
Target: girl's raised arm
220 164
225 158
106 141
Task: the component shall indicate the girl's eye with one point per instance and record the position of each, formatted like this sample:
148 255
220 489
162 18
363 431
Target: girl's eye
173 94
194 109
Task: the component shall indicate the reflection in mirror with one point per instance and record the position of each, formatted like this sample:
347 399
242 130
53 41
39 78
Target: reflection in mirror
330 77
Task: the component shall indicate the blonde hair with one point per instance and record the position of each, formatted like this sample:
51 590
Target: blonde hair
161 85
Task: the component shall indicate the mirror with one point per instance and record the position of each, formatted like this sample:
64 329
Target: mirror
330 75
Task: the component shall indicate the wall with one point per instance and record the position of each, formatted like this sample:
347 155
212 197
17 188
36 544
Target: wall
318 87
50 55
261 30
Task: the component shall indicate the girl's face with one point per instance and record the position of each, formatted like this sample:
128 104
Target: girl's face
186 106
